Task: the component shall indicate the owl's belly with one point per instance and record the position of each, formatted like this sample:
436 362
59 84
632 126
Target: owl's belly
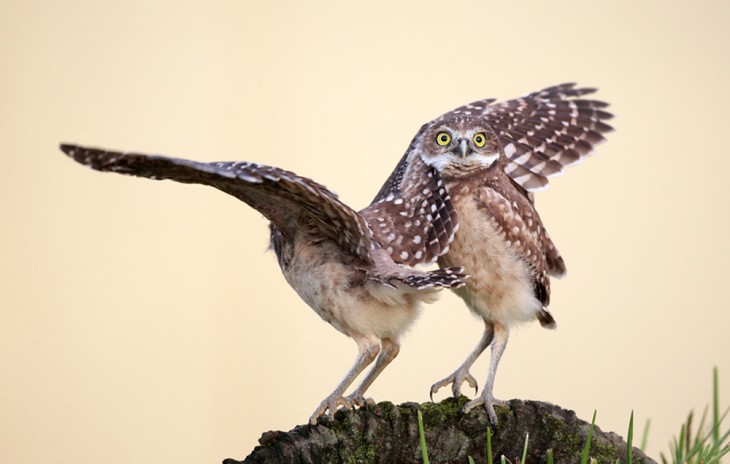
500 288
339 293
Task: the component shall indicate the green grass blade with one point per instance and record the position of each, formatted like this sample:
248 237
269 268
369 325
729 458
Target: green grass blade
630 441
705 442
695 446
550 456
422 435
679 445
587 449
645 435
524 449
489 445
715 407
471 460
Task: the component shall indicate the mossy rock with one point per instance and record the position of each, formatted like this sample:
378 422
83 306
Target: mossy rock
386 433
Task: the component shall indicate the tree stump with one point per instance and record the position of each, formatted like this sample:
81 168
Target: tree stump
385 433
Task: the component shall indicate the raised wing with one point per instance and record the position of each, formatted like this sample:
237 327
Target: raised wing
412 215
544 131
284 198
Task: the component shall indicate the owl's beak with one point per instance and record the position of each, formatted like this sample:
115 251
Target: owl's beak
463 147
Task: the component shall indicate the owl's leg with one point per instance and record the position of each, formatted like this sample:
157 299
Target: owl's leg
367 351
389 349
462 374
486 399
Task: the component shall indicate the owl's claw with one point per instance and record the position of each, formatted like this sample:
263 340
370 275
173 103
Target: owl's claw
327 407
332 403
488 401
357 400
456 380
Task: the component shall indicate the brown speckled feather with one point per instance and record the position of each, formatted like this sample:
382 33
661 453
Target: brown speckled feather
284 198
540 134
544 131
412 216
516 219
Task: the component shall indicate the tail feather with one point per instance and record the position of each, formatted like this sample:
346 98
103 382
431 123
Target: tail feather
450 277
546 319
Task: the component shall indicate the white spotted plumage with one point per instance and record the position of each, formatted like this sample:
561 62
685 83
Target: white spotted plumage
327 252
486 192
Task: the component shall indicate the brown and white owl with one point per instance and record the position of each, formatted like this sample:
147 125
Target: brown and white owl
326 251
467 180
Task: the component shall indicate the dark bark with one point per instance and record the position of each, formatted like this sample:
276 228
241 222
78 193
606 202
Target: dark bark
385 433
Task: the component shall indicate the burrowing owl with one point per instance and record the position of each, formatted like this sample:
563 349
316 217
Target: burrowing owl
333 257
489 158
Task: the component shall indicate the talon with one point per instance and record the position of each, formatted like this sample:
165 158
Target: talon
488 402
456 380
328 407
369 403
434 388
472 382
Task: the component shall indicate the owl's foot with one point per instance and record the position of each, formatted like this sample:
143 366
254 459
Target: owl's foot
327 407
488 401
456 380
332 403
357 400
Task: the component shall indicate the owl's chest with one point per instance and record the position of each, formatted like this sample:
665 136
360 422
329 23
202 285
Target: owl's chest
500 287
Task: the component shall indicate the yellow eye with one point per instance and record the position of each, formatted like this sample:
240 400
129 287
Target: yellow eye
443 138
480 139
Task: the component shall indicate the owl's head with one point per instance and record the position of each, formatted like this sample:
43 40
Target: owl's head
460 145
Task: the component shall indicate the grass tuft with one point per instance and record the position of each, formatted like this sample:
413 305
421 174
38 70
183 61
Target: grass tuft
700 446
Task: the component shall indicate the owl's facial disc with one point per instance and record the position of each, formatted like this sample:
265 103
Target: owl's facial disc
462 149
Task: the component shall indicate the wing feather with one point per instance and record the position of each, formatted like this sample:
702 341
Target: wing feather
543 131
513 215
412 215
287 200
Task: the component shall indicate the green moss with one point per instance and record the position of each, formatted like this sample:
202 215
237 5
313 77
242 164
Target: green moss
603 453
364 454
558 429
567 438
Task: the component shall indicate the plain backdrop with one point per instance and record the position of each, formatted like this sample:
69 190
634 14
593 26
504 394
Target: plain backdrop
145 321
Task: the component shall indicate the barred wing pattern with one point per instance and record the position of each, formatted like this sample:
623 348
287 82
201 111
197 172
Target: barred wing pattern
540 133
283 197
544 131
412 215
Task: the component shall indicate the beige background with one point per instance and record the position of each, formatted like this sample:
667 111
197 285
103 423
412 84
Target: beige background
145 322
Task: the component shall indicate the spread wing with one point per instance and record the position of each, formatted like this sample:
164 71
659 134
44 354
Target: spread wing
540 133
412 215
544 131
284 198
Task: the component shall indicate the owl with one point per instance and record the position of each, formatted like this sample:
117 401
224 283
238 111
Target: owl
485 160
327 252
